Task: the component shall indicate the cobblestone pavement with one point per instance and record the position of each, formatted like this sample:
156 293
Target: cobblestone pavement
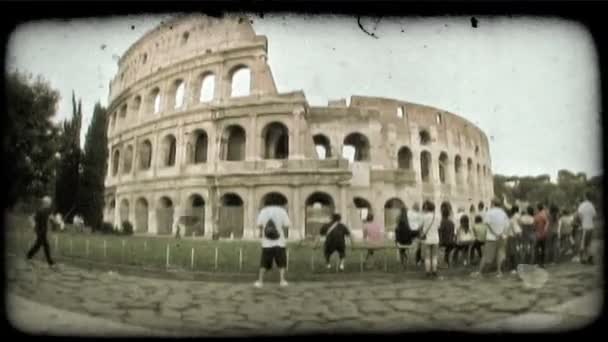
181 307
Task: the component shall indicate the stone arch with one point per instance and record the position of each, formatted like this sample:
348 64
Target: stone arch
274 198
231 215
124 211
458 168
404 158
478 174
234 142
178 94
425 166
443 167
201 145
122 113
111 211
207 87
145 155
169 147
322 146
136 104
240 81
153 102
424 136
319 209
275 137
164 215
127 160
360 144
141 215
469 170
115 161
194 215
362 206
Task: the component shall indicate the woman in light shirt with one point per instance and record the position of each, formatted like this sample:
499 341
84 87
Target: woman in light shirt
373 234
430 238
464 240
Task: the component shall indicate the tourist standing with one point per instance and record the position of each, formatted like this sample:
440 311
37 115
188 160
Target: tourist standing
497 223
480 231
564 233
415 220
541 227
552 235
513 238
272 222
464 240
586 212
404 235
528 231
373 234
335 240
447 234
430 238
41 219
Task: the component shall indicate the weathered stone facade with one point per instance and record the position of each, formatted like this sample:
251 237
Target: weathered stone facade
185 141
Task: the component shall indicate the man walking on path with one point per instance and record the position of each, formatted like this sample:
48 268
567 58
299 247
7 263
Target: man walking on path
497 222
587 215
272 221
41 219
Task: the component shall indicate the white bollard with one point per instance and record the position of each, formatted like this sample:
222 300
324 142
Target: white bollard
71 246
168 255
192 258
105 249
215 262
87 248
287 261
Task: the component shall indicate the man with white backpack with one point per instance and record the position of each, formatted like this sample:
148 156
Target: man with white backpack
272 221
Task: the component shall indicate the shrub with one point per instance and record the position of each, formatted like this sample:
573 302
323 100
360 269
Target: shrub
107 228
127 228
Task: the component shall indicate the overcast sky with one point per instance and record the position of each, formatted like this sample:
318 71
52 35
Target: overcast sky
531 84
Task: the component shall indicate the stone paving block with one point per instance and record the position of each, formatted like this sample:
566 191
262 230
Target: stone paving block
372 306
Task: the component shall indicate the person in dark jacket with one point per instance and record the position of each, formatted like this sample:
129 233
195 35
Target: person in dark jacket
41 219
447 234
404 235
335 233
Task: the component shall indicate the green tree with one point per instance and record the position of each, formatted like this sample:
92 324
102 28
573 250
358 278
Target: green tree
94 165
68 176
30 139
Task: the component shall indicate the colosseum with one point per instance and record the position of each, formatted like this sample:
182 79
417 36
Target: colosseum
198 132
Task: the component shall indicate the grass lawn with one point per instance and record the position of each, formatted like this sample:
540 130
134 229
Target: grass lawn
230 256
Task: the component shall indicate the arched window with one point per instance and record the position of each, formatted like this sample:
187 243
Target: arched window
458 168
145 155
124 211
164 216
136 104
404 158
168 150
363 206
241 82
478 174
200 146
438 118
359 145
233 143
476 150
469 171
319 208
122 114
276 141
185 37
127 160
115 162
274 198
425 166
443 163
322 146
141 215
425 137
153 101
207 92
180 89
400 112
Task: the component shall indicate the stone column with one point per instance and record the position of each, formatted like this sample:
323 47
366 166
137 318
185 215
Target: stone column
344 204
180 146
252 151
135 159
